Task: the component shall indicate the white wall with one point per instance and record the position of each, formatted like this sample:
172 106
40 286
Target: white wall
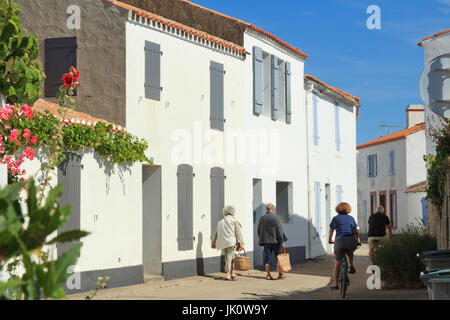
329 166
288 152
415 165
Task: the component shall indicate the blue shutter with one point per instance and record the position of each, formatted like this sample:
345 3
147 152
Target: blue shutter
274 82
317 207
392 162
257 80
375 165
288 92
152 71
338 194
217 196
185 207
364 203
424 212
315 121
337 127
216 95
368 166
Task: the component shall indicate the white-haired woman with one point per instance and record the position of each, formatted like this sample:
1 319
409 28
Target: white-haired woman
228 237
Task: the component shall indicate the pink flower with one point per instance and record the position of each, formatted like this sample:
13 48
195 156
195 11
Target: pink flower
26 134
13 135
28 111
33 139
29 153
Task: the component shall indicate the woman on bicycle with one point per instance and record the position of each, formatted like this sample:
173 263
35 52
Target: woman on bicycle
346 241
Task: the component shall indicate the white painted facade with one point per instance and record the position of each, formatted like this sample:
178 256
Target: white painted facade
409 169
328 166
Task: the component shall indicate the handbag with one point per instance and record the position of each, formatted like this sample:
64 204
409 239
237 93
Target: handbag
283 262
242 263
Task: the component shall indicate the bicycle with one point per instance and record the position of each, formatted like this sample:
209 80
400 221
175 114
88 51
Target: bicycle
344 280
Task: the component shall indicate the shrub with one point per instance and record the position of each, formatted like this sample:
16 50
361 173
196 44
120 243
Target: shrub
397 257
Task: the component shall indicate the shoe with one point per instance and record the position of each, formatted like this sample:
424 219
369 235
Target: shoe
352 269
334 287
282 277
269 278
233 277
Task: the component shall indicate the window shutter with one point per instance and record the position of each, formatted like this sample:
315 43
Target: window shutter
337 127
257 80
274 77
288 92
315 121
338 194
392 163
368 166
217 95
60 55
375 165
152 71
69 174
217 196
317 207
185 207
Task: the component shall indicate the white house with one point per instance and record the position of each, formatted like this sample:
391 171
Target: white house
392 174
436 86
224 111
331 128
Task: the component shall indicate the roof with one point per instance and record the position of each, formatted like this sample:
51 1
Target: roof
418 187
72 117
402 134
433 36
205 35
180 26
340 92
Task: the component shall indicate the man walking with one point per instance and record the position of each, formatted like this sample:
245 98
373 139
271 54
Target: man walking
271 237
377 229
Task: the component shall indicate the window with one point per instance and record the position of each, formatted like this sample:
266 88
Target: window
317 207
393 208
315 121
185 207
152 71
373 202
337 127
391 162
382 203
217 96
372 165
338 194
217 196
60 55
284 201
271 86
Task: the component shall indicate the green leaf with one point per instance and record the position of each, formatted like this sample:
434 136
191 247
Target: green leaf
69 236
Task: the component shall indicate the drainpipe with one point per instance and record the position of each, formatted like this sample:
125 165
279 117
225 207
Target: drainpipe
308 91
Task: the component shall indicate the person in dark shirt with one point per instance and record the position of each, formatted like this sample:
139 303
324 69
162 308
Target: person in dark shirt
346 241
377 229
271 237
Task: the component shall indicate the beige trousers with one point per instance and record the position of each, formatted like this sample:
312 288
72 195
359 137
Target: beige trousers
229 258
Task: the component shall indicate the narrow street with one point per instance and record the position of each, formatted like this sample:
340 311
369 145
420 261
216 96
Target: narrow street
307 281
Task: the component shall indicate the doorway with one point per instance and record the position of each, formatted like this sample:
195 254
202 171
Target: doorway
383 200
258 211
151 221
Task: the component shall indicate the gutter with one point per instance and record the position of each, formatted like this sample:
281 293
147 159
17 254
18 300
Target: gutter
308 90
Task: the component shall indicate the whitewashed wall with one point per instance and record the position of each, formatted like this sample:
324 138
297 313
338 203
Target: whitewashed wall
288 154
181 118
329 166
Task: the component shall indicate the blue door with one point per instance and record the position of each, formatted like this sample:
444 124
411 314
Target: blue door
424 211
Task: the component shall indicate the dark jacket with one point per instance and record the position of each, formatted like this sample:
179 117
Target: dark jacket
270 230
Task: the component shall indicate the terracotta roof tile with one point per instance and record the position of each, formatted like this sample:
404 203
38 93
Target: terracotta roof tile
418 187
72 117
180 26
342 93
433 36
402 134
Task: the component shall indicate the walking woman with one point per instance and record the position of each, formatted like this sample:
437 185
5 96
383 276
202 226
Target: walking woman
228 237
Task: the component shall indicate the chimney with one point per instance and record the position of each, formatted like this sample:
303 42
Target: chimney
415 114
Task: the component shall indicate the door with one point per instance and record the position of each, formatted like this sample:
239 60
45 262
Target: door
424 211
383 200
258 211
151 220
327 215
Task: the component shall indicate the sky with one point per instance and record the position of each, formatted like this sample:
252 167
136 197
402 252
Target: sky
382 67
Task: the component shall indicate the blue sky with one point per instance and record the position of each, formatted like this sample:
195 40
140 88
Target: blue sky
381 67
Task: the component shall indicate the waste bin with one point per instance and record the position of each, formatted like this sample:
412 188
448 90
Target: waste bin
435 259
438 283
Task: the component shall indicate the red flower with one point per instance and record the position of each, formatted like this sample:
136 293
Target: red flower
26 134
33 139
13 135
28 111
29 153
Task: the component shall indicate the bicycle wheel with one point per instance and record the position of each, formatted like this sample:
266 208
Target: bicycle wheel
343 278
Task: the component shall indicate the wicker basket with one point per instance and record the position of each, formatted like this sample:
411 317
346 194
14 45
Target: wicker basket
242 263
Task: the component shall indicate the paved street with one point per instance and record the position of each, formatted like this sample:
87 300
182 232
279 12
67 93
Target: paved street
307 281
